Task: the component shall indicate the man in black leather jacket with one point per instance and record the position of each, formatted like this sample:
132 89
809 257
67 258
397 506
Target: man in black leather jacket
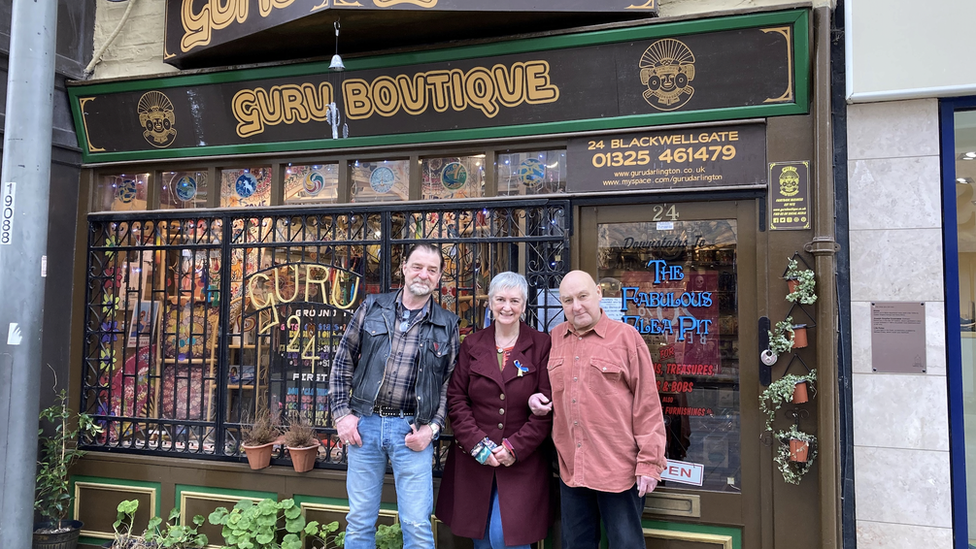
388 390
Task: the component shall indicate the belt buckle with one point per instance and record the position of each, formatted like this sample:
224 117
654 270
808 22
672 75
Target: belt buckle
388 411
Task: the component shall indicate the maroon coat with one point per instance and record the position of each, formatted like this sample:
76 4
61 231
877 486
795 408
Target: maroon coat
481 398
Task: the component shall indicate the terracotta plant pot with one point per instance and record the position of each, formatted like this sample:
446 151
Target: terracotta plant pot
303 459
259 457
799 336
791 284
798 450
800 393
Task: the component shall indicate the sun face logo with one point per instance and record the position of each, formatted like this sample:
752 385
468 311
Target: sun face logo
789 181
157 118
667 69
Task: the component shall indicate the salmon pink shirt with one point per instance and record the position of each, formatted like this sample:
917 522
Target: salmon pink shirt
607 422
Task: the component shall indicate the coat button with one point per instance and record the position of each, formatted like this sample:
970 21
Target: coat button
502 396
501 426
501 411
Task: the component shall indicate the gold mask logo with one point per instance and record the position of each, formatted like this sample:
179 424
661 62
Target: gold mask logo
667 69
157 119
789 181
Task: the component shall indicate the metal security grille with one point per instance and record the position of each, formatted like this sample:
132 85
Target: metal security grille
195 322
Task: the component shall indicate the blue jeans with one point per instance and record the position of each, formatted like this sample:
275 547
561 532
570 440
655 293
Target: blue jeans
581 512
494 538
382 441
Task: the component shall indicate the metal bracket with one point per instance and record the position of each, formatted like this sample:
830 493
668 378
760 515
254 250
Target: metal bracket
822 246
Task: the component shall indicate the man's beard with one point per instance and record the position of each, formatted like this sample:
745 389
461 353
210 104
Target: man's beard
419 289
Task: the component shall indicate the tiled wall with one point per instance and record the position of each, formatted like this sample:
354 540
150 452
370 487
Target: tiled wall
901 424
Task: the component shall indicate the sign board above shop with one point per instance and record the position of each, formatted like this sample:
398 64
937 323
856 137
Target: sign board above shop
196 29
716 69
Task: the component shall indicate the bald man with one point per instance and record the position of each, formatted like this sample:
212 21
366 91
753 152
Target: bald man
607 423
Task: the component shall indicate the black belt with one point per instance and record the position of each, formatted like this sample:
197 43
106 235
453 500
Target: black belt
390 411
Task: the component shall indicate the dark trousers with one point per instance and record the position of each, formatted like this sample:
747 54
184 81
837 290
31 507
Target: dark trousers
582 509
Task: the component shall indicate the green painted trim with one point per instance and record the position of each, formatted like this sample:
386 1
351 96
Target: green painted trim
734 533
548 128
180 488
120 482
799 18
300 499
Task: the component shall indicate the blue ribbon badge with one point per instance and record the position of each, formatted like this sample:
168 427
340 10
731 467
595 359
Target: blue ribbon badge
521 369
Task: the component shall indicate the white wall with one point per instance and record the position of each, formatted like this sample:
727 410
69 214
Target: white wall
901 433
901 49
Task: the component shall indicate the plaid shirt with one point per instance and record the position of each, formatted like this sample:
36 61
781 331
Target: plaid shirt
400 375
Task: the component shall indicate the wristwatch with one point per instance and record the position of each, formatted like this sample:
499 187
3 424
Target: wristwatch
435 431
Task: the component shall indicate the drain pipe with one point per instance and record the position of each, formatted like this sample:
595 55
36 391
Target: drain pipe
24 200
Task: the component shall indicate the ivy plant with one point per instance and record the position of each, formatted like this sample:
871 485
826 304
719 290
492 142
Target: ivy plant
781 337
793 471
805 291
780 392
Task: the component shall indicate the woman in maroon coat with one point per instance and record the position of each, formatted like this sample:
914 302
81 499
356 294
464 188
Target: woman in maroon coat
500 495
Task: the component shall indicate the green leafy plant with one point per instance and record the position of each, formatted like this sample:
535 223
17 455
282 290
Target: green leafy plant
251 525
793 471
388 536
780 392
58 452
805 290
781 337
158 534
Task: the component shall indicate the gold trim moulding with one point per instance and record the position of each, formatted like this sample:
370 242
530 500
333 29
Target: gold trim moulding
80 485
672 504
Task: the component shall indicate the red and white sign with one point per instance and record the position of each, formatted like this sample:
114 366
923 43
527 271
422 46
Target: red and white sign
683 472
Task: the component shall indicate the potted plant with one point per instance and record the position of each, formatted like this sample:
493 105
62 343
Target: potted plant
789 388
259 438
781 337
251 525
58 452
302 444
801 283
796 453
158 534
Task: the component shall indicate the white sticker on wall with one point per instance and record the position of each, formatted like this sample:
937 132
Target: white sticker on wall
13 334
7 212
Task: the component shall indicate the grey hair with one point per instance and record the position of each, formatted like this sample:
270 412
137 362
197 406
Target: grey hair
506 281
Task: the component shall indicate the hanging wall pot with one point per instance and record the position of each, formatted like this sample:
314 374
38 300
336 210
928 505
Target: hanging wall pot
798 450
799 336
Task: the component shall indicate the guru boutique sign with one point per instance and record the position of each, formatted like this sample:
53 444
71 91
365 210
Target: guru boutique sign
637 76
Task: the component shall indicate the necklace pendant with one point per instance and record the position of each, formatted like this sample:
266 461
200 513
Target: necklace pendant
499 349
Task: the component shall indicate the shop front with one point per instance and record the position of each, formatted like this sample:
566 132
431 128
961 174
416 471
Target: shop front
236 219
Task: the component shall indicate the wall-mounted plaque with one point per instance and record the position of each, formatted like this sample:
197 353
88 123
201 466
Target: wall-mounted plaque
898 337
789 196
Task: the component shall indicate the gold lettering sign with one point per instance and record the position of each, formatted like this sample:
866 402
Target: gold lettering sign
288 104
218 14
480 88
312 283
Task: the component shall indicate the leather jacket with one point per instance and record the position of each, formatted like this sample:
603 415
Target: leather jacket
435 362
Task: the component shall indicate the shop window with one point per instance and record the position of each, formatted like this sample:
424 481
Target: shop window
452 177
675 281
380 181
167 291
534 172
311 184
121 192
245 187
179 190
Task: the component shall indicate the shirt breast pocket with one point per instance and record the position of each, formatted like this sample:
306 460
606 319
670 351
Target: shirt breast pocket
557 373
604 377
